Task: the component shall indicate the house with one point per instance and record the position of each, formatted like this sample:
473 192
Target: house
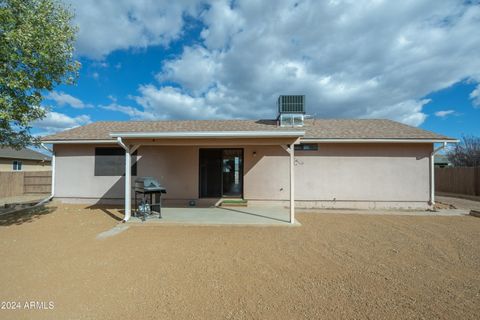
292 160
23 160
441 161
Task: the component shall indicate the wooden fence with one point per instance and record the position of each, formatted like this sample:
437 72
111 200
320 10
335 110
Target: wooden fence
458 180
14 184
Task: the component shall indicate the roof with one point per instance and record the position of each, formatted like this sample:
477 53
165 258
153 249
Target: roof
314 129
440 158
23 154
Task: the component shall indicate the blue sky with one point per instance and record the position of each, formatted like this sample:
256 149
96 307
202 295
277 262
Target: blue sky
414 62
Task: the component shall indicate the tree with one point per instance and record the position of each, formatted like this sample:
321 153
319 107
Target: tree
466 153
36 54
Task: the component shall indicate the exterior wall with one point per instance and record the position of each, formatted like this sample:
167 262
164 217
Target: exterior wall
6 165
344 172
337 175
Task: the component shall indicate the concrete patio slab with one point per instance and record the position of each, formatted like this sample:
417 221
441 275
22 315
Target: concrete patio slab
263 216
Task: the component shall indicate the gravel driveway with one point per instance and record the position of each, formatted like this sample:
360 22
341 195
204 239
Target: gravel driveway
333 266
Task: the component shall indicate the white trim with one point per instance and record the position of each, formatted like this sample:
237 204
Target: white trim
128 180
209 134
252 134
339 140
432 172
92 141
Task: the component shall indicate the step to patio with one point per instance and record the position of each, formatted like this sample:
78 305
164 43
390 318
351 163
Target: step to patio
234 203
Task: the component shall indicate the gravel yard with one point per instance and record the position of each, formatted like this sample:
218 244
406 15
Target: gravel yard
333 266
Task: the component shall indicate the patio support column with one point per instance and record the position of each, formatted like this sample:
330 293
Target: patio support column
292 184
128 177
128 184
291 151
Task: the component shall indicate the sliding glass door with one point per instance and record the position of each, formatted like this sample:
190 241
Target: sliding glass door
221 173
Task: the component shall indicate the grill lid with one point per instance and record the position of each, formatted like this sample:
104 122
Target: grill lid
148 184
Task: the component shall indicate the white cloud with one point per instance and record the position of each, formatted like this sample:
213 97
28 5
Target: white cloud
55 121
109 25
63 99
444 113
194 69
475 96
134 113
352 59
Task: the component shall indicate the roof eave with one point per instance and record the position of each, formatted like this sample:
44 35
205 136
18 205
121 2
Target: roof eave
208 134
378 140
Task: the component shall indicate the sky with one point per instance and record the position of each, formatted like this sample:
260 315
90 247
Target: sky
417 62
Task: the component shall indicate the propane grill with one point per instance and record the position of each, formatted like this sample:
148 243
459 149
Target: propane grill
148 186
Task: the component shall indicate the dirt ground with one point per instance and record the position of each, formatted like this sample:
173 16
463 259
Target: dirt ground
333 266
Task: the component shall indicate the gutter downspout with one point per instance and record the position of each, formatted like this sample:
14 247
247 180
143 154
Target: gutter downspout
52 193
128 180
432 172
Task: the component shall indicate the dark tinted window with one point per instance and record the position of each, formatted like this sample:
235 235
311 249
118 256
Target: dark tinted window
111 162
306 147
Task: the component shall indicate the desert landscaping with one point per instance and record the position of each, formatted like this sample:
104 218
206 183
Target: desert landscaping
333 266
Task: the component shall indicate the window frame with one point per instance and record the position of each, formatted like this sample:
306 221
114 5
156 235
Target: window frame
17 165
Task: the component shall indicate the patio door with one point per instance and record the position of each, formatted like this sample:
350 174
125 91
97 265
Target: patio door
221 173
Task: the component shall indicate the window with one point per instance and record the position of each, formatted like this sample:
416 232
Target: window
306 147
111 162
17 165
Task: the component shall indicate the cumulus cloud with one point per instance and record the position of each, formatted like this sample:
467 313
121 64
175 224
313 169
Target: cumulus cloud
475 96
64 99
55 121
134 113
109 25
444 113
360 59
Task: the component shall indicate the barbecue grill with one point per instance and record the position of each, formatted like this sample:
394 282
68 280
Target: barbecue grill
148 186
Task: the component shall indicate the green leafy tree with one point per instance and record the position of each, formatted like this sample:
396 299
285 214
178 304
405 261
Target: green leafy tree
36 54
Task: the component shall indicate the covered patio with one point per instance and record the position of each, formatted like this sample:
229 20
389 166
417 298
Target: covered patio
286 139
260 216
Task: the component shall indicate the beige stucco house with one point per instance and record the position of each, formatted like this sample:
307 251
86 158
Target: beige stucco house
295 161
23 160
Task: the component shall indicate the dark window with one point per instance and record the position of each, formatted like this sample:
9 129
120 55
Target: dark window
111 162
17 165
306 147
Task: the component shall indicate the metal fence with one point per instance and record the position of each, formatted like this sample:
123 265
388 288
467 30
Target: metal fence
460 180
14 184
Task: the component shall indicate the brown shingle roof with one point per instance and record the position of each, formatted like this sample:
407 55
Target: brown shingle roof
314 128
23 154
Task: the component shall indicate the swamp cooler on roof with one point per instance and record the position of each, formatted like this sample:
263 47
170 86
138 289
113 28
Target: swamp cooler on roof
291 110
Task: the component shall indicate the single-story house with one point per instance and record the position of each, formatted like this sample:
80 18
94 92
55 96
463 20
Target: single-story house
293 160
23 160
441 161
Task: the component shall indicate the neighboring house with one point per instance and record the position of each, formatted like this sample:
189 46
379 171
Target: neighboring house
441 161
23 160
334 163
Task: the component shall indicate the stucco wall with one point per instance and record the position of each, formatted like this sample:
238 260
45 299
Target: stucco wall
27 165
353 172
336 172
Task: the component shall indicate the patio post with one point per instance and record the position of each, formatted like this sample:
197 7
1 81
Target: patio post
292 183
291 151
128 180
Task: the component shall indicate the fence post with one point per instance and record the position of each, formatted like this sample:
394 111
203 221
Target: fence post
476 181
